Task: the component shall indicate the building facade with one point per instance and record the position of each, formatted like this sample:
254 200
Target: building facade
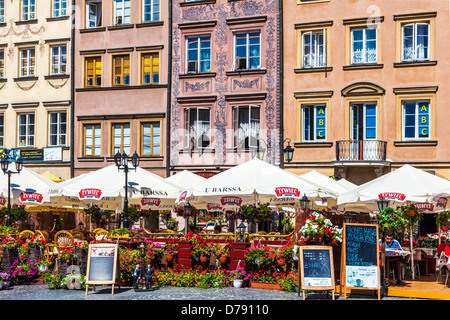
121 83
365 86
225 102
35 83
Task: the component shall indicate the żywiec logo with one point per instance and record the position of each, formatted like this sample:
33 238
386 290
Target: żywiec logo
182 196
442 202
150 202
2 201
31 197
231 201
287 192
90 193
424 206
211 206
392 195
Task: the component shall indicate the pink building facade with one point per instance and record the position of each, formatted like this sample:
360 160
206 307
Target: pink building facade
225 95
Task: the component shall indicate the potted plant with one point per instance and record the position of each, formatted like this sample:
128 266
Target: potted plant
4 280
22 270
74 281
258 256
238 276
442 218
392 221
121 232
51 281
317 229
171 249
172 224
42 265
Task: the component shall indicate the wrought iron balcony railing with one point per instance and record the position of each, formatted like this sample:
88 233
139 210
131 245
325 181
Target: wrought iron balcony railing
361 150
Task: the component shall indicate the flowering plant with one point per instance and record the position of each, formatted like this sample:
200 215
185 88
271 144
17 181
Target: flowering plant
391 220
442 218
42 262
66 254
72 278
258 255
172 224
181 211
240 274
171 247
35 241
5 278
154 250
221 249
53 281
252 213
11 243
21 269
317 224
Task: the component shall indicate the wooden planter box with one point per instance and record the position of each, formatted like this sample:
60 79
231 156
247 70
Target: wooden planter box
264 285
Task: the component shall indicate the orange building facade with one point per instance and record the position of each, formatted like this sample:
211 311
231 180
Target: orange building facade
365 86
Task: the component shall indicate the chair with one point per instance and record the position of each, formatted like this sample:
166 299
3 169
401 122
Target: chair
63 238
44 234
26 234
78 235
441 263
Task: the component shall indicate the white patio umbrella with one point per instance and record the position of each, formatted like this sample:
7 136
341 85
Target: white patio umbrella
185 179
27 187
107 185
253 181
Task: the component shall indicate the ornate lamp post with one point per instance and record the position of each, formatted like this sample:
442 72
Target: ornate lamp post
304 202
241 228
5 167
121 161
187 213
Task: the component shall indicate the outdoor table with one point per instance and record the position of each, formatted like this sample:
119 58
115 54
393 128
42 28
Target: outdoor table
393 255
429 253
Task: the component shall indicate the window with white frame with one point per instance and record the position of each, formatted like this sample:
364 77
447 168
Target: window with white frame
314 49
246 126
27 62
92 140
121 138
198 54
364 45
416 119
28 8
150 10
57 128
416 41
197 127
26 130
121 12
58 59
93 14
314 122
247 50
2 64
59 8
2 11
151 139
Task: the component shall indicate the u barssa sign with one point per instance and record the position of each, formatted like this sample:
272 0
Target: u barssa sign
222 189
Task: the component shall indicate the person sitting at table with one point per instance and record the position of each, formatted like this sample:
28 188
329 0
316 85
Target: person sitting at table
394 264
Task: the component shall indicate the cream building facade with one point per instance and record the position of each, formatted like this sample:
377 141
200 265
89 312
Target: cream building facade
35 83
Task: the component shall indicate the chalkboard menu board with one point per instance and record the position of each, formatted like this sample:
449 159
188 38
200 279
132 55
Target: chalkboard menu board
317 268
102 266
361 256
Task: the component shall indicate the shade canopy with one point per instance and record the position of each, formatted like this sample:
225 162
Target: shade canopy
185 179
27 187
253 181
404 184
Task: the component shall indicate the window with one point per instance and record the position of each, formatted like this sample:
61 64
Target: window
93 71
57 128
198 127
121 138
58 59
415 41
364 45
246 126
150 10
27 62
2 11
416 120
150 68
313 55
151 139
92 140
364 121
314 122
26 130
2 64
93 14
121 12
247 50
28 9
2 129
198 54
59 8
121 70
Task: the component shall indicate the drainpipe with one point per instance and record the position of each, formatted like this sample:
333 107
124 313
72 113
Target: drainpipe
72 92
280 17
169 95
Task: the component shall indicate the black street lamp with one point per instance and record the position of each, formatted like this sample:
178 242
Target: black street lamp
187 213
382 204
288 152
304 202
241 228
121 161
5 167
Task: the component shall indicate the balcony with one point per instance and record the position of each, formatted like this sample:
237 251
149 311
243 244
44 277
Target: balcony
361 151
